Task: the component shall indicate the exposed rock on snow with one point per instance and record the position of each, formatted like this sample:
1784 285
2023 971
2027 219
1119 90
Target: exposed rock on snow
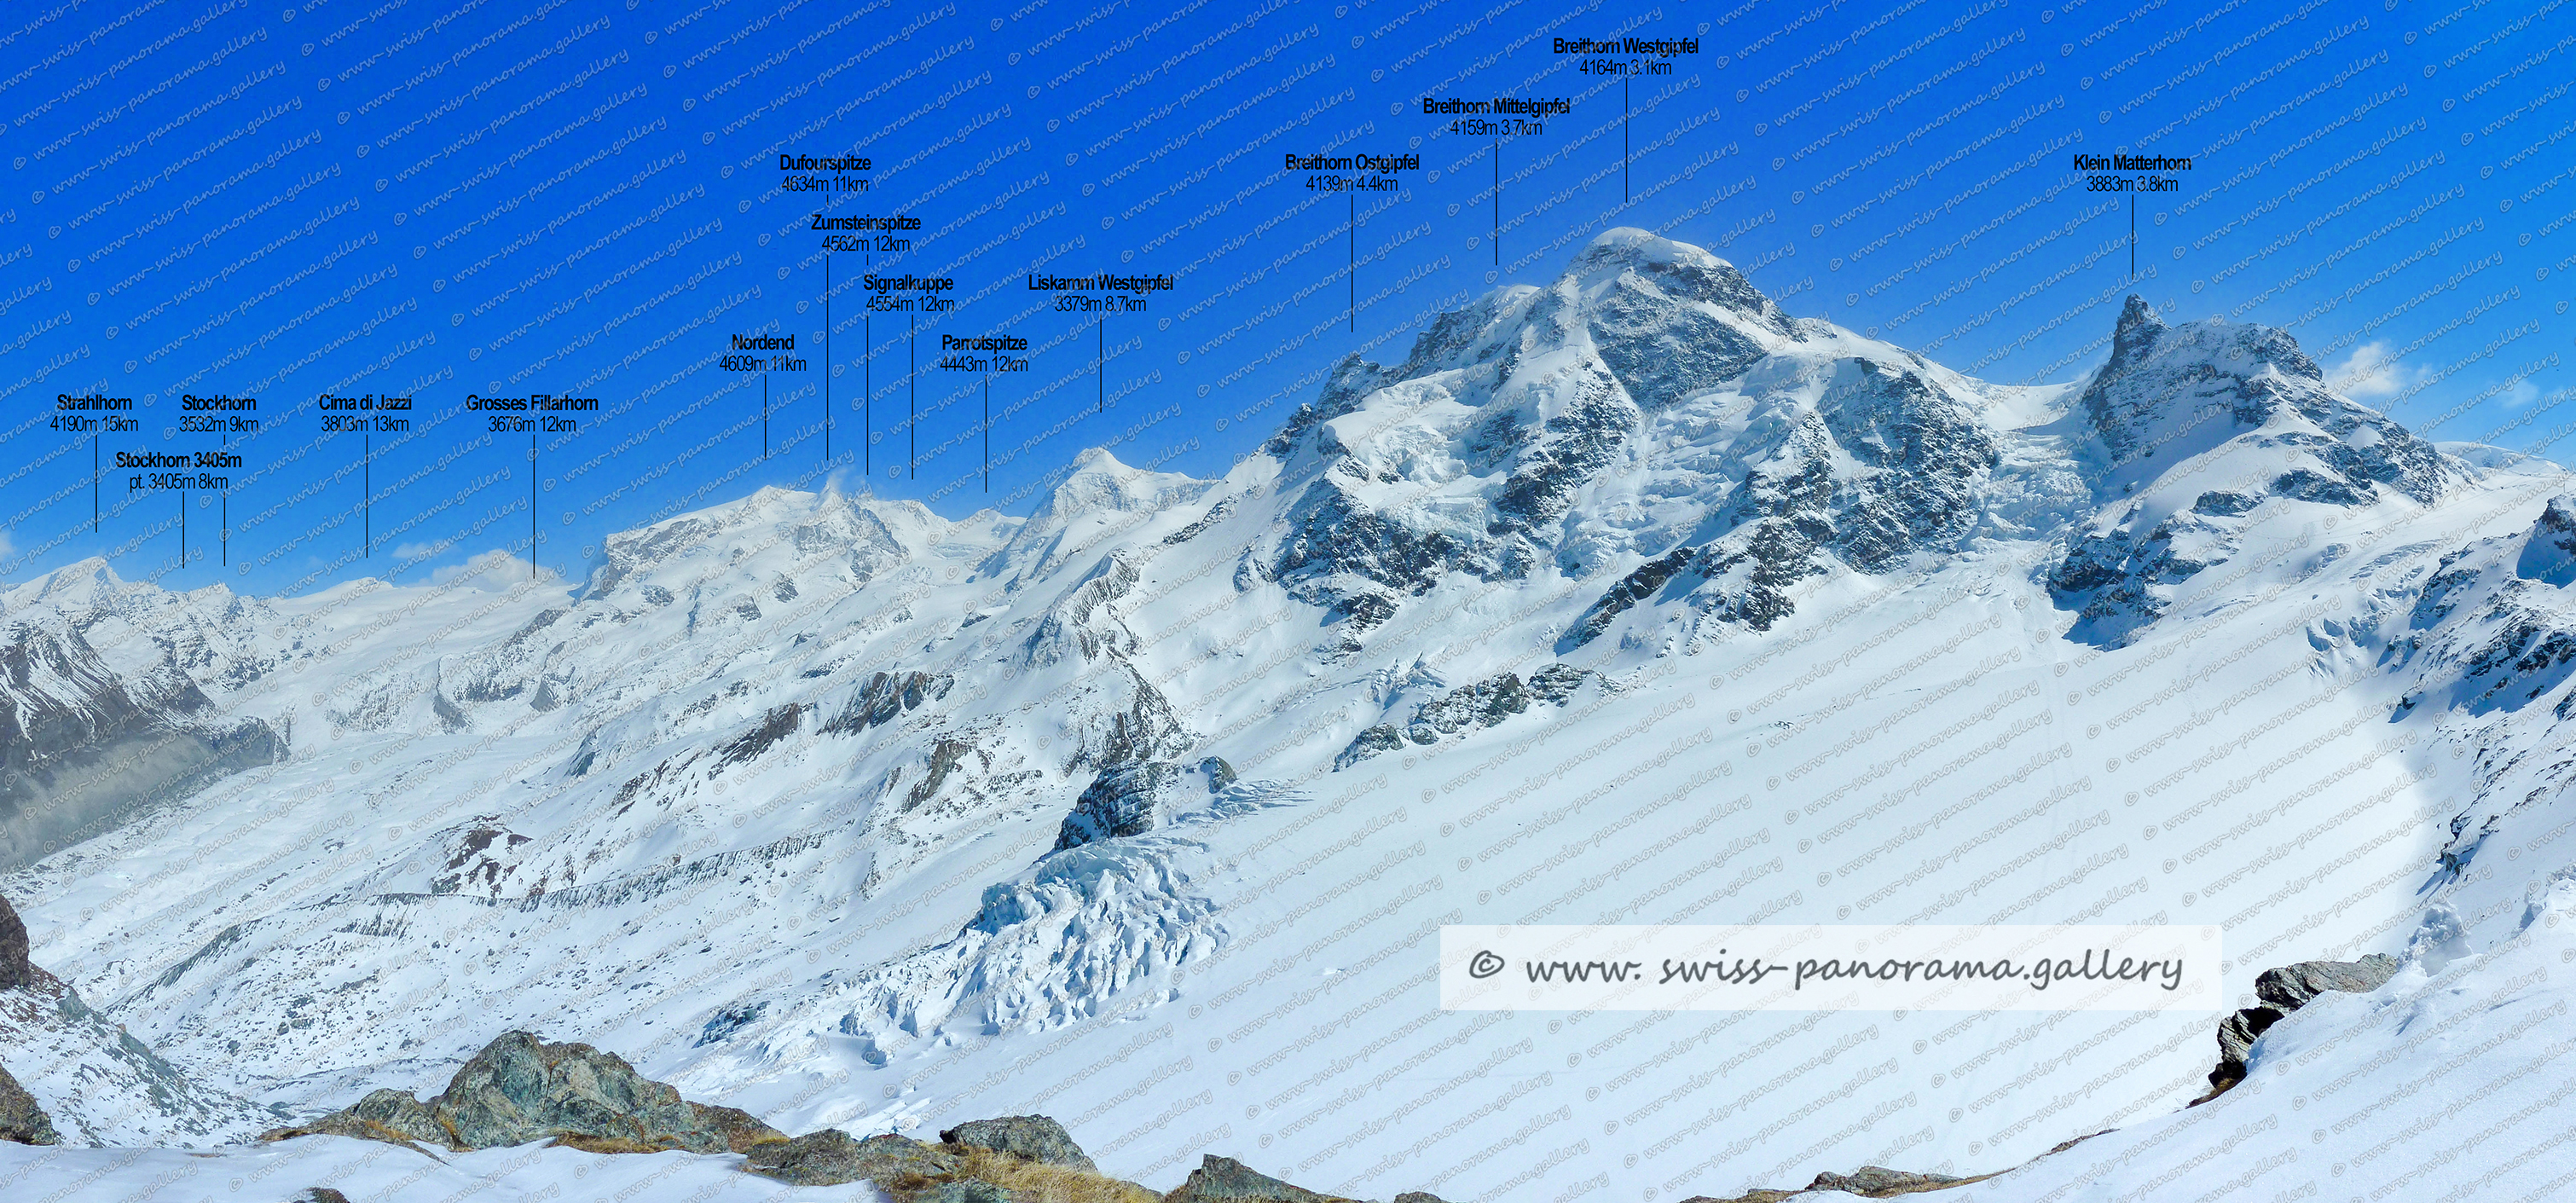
1035 1137
1868 1182
520 1089
1472 707
1225 1180
1028 1158
2284 990
831 1157
21 1119
15 971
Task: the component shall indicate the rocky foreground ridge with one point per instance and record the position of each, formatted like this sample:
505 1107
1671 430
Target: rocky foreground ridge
520 1089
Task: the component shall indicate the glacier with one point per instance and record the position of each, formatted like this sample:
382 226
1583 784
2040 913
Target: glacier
1631 598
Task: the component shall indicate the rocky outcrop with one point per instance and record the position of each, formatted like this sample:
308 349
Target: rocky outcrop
1869 1182
2282 991
1015 1159
521 1089
15 972
1119 802
831 1157
1225 1180
21 1120
886 697
1031 1136
1131 799
1472 707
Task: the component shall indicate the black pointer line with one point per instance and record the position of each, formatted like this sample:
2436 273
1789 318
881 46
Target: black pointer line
1355 259
827 359
532 504
988 434
867 387
912 395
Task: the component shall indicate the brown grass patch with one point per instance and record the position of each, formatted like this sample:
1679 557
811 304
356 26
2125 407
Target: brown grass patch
611 1144
1036 1182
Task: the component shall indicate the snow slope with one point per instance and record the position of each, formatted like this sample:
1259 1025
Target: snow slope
1626 599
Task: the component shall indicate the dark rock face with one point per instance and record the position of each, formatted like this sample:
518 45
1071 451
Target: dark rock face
1635 587
1469 708
887 697
520 1089
1482 704
1869 1182
2282 991
21 1120
1884 467
15 972
1035 1137
1335 533
1925 452
1875 1181
2549 550
831 1157
1376 741
2294 986
1565 451
1119 802
1662 351
1354 378
1225 1180
1557 683
779 723
1133 799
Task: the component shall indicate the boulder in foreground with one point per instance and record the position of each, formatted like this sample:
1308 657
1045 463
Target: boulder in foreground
521 1089
21 1120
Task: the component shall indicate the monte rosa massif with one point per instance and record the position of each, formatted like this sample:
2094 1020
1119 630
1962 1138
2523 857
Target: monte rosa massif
1626 599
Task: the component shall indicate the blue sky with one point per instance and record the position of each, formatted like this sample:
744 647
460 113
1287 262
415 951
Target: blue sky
251 198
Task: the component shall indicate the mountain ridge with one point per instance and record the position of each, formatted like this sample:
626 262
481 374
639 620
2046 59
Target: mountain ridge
778 801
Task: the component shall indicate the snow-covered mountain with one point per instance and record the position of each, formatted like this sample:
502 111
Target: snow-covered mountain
1626 599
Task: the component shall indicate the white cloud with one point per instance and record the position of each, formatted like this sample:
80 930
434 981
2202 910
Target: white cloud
494 569
2372 371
